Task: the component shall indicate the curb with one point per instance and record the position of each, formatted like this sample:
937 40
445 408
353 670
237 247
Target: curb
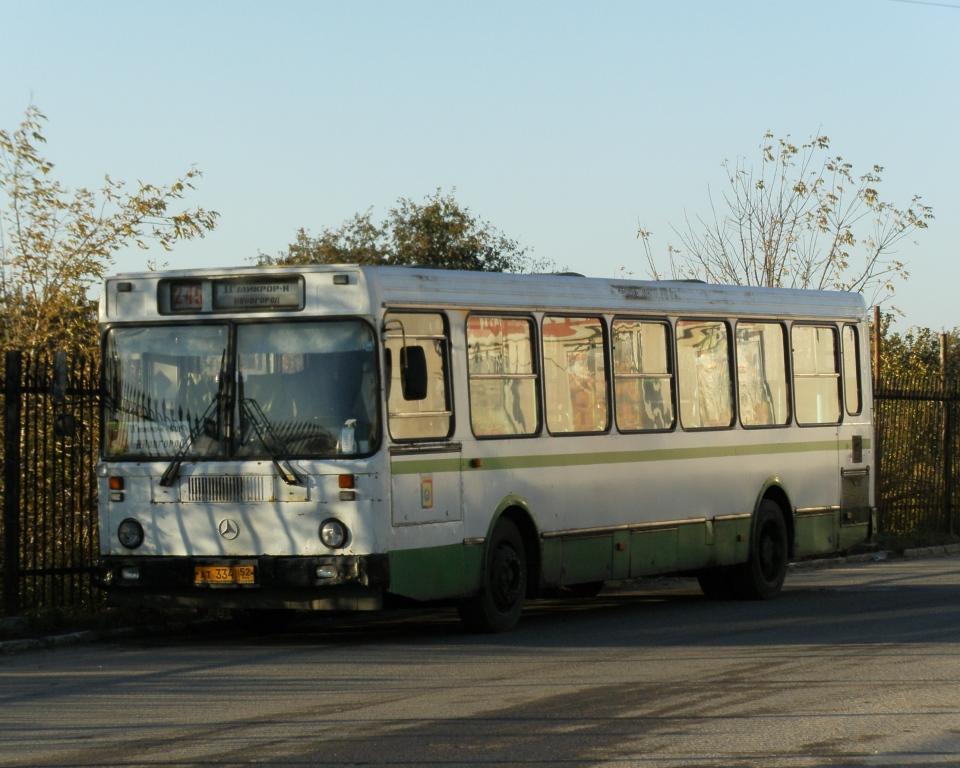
940 551
943 550
65 639
831 562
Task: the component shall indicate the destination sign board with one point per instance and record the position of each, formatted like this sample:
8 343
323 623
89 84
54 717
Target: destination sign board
231 294
281 293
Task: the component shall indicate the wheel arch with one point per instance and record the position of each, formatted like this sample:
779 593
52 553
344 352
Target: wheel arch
774 491
517 510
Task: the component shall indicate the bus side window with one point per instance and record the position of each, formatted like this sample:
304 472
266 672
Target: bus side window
502 376
762 375
642 375
418 340
703 374
575 374
816 376
851 370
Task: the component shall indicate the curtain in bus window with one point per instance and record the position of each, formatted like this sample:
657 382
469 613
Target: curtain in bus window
762 374
430 417
503 394
641 372
851 370
815 374
574 374
703 374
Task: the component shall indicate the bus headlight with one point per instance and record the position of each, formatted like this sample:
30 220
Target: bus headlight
130 533
333 533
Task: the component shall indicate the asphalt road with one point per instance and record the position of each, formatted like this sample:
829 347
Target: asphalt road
856 665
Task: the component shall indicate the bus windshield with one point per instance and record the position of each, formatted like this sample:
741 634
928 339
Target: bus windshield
305 389
161 382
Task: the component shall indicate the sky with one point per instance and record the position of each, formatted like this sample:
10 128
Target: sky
567 125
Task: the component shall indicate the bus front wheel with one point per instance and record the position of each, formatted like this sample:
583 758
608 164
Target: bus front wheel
761 577
497 606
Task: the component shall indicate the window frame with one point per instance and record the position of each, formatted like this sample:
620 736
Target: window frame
536 375
857 368
671 373
787 365
605 348
832 325
447 359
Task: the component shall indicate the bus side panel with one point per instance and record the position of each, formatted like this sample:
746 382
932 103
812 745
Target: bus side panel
653 552
434 573
816 533
702 486
586 559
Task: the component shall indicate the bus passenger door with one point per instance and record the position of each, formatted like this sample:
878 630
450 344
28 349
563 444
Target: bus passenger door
425 482
854 445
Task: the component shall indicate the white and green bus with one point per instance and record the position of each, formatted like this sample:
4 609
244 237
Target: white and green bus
345 437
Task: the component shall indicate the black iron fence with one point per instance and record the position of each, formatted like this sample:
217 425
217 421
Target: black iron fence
48 490
917 418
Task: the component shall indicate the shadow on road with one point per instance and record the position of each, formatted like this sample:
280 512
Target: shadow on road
872 605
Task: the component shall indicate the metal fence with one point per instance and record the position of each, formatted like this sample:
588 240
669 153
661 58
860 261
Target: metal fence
48 491
916 426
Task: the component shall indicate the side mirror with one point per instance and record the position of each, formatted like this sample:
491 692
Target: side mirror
413 373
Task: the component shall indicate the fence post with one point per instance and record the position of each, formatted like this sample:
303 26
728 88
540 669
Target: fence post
877 341
947 437
876 346
11 483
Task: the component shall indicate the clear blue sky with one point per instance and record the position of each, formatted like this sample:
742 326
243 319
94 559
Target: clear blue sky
565 124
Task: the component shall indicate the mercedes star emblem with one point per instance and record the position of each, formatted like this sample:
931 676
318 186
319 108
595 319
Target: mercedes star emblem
229 529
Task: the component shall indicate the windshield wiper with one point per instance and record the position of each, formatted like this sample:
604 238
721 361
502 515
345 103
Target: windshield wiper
251 411
172 471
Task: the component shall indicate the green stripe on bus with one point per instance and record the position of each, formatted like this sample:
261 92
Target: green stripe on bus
543 461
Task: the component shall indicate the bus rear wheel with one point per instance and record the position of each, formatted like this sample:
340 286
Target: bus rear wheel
497 607
761 577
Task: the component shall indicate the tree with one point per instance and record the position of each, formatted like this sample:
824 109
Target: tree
913 355
803 219
438 232
54 243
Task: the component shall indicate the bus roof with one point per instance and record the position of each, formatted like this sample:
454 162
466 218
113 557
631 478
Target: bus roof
412 287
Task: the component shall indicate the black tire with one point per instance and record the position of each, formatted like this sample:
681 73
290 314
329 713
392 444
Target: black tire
497 607
717 583
761 577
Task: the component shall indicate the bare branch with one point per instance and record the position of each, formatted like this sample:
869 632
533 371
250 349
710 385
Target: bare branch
799 218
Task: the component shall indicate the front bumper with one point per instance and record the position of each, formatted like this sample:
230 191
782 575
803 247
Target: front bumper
331 582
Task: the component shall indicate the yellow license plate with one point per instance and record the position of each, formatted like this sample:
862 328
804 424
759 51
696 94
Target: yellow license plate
223 574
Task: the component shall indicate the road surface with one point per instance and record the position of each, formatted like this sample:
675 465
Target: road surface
855 665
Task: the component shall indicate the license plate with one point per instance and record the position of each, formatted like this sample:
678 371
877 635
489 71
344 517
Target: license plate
223 574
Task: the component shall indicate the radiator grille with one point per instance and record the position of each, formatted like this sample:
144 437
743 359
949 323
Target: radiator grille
224 488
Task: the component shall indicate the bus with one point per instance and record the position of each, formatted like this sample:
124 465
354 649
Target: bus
342 437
